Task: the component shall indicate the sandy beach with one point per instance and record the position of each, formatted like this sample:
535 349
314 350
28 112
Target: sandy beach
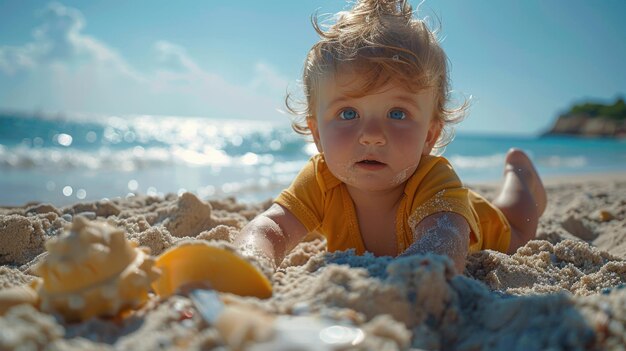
563 291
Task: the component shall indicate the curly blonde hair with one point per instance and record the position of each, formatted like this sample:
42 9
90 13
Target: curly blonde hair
382 41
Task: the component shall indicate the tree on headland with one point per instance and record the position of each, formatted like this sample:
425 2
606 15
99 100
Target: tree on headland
615 111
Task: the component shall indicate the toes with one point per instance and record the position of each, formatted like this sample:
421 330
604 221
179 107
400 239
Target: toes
517 156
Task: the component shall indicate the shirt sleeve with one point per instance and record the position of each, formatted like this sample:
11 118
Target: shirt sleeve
304 197
441 190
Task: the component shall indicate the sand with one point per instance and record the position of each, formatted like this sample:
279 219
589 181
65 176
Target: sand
561 291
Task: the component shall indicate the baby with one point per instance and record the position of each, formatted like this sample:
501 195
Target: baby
377 88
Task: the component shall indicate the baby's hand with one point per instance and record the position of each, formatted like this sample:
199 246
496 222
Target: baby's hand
269 237
443 233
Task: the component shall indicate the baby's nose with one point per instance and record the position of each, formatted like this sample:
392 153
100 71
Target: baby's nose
372 134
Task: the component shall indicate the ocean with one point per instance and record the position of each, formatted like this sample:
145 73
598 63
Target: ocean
59 160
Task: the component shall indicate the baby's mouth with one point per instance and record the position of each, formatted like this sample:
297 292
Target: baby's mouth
370 162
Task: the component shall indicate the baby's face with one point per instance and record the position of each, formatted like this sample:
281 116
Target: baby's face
373 142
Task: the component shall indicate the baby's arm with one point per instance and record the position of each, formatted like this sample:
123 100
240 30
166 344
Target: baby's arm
271 235
444 233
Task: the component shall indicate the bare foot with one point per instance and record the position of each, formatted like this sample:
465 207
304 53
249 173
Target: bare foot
517 161
522 198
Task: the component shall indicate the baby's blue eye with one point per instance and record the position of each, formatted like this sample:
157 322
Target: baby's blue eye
348 114
397 114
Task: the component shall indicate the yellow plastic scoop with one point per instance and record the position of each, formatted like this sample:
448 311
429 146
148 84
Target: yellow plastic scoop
222 269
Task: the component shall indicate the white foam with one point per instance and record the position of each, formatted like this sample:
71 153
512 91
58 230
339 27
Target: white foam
134 158
477 162
561 161
497 161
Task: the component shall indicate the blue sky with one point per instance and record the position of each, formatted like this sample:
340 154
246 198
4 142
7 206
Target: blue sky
522 62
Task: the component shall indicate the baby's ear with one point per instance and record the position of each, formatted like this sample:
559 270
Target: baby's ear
311 122
434 131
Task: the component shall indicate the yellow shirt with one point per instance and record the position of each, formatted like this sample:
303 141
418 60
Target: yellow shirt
322 203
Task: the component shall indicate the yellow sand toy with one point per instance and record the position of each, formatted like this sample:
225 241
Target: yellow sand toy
223 270
92 270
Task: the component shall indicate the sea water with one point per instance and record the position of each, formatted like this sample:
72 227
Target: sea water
62 160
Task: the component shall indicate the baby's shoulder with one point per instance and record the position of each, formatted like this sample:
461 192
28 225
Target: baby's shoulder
432 172
323 176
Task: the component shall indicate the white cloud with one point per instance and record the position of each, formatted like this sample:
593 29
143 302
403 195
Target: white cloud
266 78
174 56
59 40
65 69
60 32
181 76
14 59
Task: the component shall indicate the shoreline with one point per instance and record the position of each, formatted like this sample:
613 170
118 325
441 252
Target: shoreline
555 180
586 177
548 181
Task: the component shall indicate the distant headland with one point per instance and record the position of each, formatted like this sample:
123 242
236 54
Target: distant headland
592 120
